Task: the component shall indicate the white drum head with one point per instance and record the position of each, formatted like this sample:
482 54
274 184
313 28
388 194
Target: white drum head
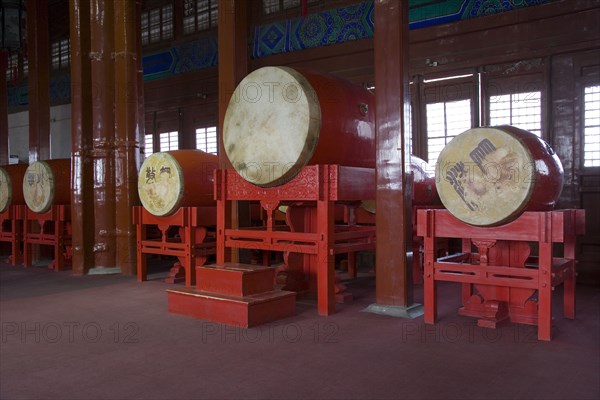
484 176
5 190
160 184
38 187
271 126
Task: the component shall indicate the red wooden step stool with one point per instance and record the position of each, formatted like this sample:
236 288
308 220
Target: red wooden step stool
235 294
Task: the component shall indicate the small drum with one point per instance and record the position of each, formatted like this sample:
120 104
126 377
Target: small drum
178 178
11 177
280 119
47 183
488 176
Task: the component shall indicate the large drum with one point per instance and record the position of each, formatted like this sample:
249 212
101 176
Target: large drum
178 178
424 191
280 119
47 183
488 176
11 177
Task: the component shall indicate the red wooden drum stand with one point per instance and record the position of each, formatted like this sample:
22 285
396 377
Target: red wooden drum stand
502 282
314 232
11 231
193 245
51 228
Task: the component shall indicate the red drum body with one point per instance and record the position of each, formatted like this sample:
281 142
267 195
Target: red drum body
11 178
489 176
424 189
47 183
280 119
178 178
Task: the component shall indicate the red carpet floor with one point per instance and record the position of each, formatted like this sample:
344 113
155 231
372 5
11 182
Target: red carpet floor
109 337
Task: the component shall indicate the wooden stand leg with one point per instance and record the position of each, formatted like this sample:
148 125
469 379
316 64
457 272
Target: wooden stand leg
59 261
352 264
545 292
27 261
325 258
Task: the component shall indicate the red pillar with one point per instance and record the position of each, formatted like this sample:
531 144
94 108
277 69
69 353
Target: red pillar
128 130
233 67
233 57
38 49
393 202
103 132
82 195
3 108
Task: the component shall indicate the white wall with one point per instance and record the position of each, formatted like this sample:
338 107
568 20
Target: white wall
60 133
18 135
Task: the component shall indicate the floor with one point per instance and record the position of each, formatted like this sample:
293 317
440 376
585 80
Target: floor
110 337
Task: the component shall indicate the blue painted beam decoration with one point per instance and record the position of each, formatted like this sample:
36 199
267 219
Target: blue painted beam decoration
329 27
356 22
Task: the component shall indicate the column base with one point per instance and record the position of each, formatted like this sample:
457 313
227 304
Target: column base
104 271
412 311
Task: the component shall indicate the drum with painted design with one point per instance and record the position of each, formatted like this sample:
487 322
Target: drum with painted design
11 193
488 176
280 119
47 183
178 178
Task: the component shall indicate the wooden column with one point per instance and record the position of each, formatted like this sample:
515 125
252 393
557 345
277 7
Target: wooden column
393 200
129 130
3 108
82 195
103 131
233 66
233 57
38 51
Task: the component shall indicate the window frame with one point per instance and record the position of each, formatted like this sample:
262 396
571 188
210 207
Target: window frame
213 5
495 85
62 44
146 24
206 131
582 89
436 88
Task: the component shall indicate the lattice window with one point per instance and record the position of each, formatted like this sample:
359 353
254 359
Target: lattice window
445 120
157 24
25 66
199 15
12 70
523 110
169 141
206 139
60 54
148 145
275 6
591 127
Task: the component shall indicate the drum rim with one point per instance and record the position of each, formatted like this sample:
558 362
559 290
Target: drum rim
9 192
509 217
175 163
51 178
